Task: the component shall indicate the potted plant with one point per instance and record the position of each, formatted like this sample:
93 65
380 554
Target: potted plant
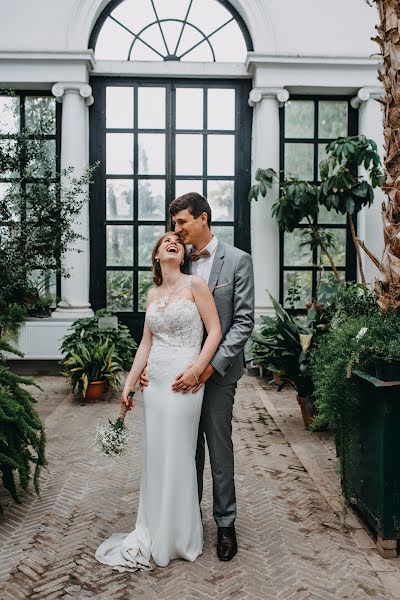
89 368
89 332
281 347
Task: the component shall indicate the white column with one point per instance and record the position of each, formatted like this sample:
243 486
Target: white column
264 228
76 98
369 222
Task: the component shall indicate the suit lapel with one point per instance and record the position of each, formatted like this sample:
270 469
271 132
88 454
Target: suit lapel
216 266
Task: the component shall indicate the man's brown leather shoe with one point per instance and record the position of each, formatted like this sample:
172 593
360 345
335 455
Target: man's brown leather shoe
227 544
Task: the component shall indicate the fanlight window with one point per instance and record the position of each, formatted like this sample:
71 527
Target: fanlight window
173 30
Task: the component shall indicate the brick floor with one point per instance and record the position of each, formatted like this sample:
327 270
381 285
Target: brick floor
290 539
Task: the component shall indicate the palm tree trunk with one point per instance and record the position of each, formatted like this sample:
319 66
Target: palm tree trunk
388 283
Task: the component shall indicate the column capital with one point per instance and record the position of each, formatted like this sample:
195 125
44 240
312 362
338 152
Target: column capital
60 89
366 93
259 93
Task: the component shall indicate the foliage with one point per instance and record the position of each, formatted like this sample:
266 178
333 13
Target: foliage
37 212
278 348
359 332
341 190
87 332
97 363
22 436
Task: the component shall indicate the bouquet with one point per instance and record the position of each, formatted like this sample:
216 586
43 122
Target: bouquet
112 439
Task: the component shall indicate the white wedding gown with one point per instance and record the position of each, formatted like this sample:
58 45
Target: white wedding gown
168 523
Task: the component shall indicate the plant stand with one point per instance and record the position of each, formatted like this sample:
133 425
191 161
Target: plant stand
371 464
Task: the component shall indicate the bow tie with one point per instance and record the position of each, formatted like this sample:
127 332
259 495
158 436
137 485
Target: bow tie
195 254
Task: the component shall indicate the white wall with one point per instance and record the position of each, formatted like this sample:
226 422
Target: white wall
312 27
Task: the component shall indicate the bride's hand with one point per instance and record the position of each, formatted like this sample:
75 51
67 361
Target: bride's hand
185 381
127 398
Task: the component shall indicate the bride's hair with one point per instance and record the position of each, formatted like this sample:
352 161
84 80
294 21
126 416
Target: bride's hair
157 273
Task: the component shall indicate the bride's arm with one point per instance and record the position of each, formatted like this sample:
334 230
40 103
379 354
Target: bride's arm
204 300
139 363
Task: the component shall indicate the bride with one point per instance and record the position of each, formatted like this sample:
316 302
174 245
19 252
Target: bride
168 522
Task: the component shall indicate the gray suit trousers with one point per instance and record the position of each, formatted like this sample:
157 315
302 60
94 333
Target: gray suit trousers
216 427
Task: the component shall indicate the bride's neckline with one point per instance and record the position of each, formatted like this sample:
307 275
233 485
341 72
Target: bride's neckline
159 302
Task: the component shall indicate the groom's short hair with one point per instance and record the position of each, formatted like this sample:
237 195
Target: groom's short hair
194 202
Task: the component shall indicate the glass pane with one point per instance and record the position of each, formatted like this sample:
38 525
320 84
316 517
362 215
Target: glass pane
10 202
322 155
332 119
151 199
220 196
326 286
338 252
299 161
119 199
299 119
151 153
148 236
113 42
141 51
189 154
151 108
145 283
189 108
120 291
191 37
119 245
326 216
303 282
208 15
295 254
183 186
8 149
171 10
136 19
43 158
119 103
221 109
228 44
40 114
119 153
9 114
221 155
171 31
223 233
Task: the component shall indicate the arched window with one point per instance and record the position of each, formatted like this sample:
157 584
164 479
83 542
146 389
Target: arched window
173 30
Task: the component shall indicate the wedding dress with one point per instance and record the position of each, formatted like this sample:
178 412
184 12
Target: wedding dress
168 523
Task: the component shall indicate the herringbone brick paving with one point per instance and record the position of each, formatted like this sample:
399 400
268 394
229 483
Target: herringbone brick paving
291 546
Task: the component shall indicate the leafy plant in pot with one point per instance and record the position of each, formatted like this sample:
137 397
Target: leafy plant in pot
88 368
281 346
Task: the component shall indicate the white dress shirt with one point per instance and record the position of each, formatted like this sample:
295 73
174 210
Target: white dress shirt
202 266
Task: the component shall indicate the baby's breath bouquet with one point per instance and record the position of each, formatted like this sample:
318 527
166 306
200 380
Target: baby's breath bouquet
112 439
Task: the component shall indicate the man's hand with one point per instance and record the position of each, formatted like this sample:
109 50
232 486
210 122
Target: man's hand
204 377
143 380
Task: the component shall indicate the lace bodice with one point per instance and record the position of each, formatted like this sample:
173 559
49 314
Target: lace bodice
177 331
178 324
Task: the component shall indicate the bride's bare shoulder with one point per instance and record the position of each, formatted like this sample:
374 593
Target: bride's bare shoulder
198 283
152 294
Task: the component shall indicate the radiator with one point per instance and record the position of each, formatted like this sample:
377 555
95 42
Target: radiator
40 339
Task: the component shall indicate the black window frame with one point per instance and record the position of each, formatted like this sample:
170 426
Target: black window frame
97 204
106 12
22 95
350 268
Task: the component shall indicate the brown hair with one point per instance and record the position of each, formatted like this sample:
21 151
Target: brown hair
157 273
194 202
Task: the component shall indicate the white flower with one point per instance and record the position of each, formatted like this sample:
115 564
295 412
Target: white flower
361 333
111 440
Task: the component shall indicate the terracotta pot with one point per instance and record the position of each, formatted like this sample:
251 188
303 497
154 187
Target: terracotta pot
94 391
307 419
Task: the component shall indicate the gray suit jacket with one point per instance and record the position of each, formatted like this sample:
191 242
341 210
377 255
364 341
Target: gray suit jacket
232 285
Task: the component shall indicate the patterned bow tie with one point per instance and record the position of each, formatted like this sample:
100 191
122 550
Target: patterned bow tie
195 255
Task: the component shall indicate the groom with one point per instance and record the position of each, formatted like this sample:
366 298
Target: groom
229 273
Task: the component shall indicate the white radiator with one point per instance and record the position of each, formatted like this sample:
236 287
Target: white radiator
40 339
